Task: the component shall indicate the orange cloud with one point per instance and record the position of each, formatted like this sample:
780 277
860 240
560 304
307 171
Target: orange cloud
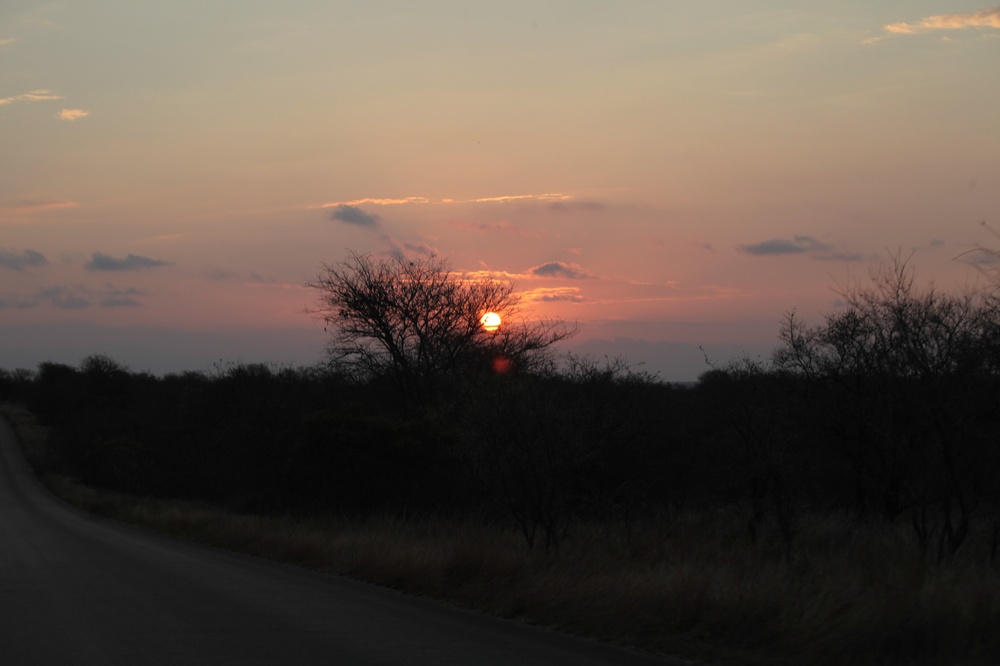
549 196
487 274
983 18
552 196
73 114
377 202
32 96
552 294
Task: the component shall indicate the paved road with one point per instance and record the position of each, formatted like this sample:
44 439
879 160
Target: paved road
76 589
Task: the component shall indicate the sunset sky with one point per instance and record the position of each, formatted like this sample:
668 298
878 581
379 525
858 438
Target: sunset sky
669 174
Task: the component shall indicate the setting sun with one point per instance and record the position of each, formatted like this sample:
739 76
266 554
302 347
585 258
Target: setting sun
491 321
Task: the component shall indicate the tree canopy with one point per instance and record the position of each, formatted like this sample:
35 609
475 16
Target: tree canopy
417 321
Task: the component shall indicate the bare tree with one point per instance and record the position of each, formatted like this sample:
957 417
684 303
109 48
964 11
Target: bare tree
914 373
418 322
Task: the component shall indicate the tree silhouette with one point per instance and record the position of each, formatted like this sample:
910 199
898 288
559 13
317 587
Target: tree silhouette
914 373
418 322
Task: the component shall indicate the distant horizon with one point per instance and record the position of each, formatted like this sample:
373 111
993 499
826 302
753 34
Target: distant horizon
162 351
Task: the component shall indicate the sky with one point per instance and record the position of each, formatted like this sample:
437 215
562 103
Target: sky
673 176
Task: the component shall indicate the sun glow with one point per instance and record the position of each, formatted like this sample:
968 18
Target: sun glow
491 321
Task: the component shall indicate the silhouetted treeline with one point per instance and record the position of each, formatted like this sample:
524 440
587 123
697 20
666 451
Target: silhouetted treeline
591 441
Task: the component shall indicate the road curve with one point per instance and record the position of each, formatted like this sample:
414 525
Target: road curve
77 589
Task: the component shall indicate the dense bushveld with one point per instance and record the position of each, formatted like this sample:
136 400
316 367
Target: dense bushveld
838 503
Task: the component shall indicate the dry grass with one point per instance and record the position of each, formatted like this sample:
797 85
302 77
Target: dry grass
698 589
689 585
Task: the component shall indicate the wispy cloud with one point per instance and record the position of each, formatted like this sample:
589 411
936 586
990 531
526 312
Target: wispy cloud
982 18
70 302
383 202
20 261
350 214
29 207
559 269
120 302
63 298
422 248
839 256
798 245
73 114
112 292
549 196
402 249
43 95
131 262
553 295
32 96
546 271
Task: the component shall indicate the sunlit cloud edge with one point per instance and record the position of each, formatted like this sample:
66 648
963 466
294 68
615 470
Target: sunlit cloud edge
549 196
983 18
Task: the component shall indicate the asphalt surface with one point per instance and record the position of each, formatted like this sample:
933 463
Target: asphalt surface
77 589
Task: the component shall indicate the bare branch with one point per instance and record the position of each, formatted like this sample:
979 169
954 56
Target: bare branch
417 322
